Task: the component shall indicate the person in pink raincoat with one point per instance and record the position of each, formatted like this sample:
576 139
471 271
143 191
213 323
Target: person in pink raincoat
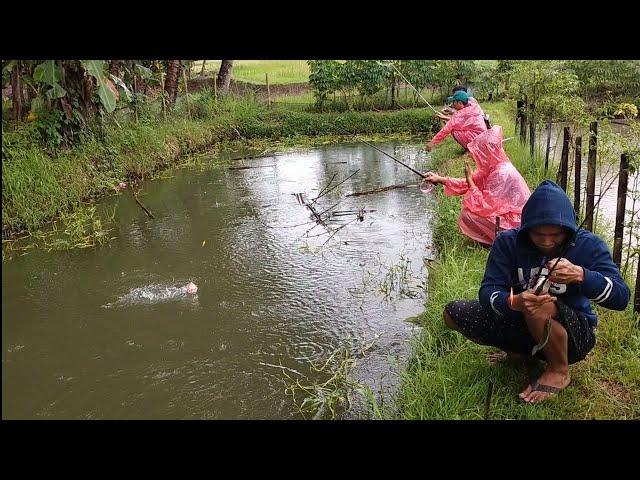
446 112
496 189
464 125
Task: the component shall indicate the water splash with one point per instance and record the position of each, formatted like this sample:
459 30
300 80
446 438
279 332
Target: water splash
153 294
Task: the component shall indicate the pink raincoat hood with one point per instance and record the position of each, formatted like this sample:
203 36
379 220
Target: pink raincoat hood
470 117
486 149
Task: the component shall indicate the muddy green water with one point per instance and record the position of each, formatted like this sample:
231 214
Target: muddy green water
105 333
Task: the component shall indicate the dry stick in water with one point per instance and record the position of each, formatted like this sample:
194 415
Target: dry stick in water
252 157
327 185
337 230
336 186
383 189
254 166
146 210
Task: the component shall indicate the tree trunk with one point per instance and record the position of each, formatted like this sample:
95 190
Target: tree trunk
224 76
16 92
171 86
202 71
114 67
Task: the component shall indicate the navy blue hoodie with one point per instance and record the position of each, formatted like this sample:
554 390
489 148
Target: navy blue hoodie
514 259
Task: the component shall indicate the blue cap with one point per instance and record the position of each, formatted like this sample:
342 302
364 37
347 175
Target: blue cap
459 95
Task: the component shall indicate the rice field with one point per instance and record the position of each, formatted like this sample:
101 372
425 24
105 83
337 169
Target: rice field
253 71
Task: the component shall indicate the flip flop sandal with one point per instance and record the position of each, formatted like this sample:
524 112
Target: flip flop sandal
539 387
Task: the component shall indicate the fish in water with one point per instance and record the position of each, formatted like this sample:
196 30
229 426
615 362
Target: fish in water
155 293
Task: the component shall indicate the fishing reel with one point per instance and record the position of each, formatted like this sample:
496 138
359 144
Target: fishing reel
540 282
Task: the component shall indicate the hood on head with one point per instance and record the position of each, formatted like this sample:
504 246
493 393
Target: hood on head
486 149
548 205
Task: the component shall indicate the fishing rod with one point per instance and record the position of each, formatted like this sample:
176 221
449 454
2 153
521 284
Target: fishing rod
420 94
409 83
543 278
383 152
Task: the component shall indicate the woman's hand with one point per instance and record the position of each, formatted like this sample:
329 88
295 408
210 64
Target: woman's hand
468 173
434 178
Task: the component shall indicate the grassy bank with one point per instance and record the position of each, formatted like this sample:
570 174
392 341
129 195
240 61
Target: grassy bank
37 185
449 376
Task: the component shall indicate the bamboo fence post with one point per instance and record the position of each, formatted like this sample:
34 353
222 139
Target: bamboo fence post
186 91
636 299
532 128
577 176
546 157
591 175
620 210
564 160
164 105
135 96
518 115
215 88
266 75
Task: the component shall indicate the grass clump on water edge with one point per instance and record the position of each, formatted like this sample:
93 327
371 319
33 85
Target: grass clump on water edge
332 397
81 228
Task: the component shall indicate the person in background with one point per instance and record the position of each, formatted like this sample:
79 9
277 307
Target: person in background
446 112
464 125
495 189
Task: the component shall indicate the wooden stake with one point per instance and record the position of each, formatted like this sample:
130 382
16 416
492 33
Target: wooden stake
591 175
564 159
546 157
186 91
532 128
577 176
636 299
620 210
519 104
135 96
215 87
268 89
487 401
523 122
164 105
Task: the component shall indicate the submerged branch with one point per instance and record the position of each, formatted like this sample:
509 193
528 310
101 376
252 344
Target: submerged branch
383 189
246 167
146 210
336 186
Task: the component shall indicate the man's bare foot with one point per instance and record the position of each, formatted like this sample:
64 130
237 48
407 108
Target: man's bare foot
500 357
549 383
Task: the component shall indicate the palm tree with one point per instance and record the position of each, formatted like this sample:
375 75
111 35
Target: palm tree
171 86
